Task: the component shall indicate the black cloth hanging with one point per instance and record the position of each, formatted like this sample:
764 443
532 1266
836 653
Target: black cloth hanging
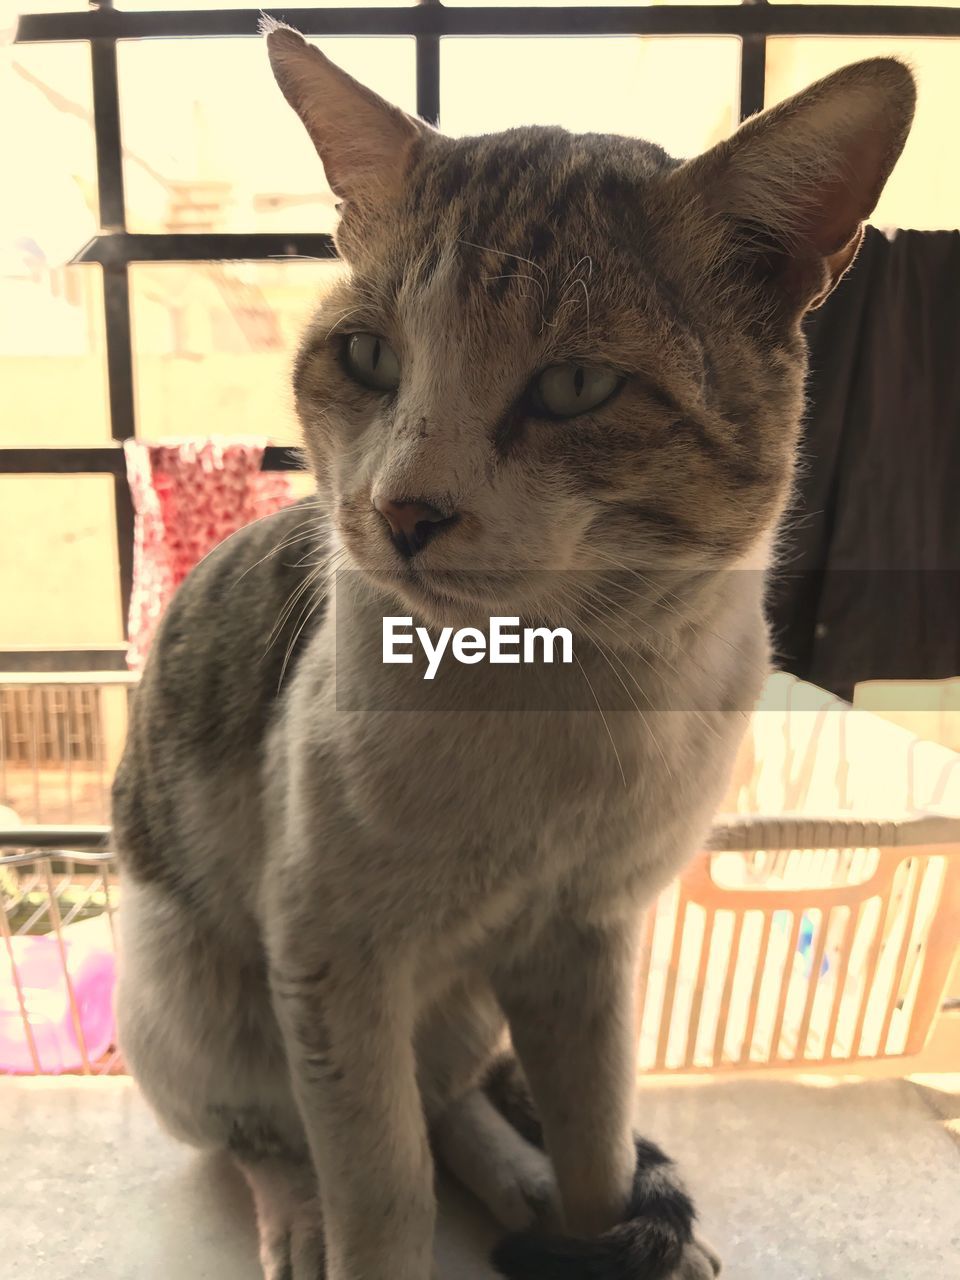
869 583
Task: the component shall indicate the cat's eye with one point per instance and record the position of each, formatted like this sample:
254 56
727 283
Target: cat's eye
372 361
566 390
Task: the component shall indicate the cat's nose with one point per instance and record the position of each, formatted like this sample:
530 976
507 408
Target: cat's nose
413 522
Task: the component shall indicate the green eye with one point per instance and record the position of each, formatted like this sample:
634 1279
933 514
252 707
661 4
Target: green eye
566 390
372 362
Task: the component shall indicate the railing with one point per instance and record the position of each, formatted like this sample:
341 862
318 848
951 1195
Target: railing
818 930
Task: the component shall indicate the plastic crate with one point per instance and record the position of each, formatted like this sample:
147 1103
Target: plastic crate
821 926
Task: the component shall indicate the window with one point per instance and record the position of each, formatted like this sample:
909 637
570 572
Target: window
155 266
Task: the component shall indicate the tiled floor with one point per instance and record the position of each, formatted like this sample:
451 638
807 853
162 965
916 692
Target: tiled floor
796 1180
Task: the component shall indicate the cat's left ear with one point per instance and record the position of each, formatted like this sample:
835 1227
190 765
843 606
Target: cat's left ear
363 141
793 187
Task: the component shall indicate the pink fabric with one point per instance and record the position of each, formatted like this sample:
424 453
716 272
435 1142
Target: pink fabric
188 497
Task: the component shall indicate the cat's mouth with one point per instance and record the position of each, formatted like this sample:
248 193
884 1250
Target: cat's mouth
455 597
451 590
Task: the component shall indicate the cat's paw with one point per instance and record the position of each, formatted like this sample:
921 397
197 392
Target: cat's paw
700 1261
275 1257
615 1255
525 1199
296 1254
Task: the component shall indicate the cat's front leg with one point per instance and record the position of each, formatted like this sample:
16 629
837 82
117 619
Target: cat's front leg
569 999
347 1019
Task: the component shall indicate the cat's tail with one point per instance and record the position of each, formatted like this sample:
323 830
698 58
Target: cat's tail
656 1240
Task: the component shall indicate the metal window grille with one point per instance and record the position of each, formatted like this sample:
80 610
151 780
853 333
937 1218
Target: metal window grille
50 726
114 248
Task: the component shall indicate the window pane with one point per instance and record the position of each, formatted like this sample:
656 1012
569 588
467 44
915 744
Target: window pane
924 191
214 345
562 4
211 145
937 4
47 154
8 19
61 586
631 85
173 5
53 369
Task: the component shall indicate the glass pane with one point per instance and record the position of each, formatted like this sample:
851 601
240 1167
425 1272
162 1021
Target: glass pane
53 367
937 4
62 587
631 85
8 19
924 191
214 345
47 154
563 4
210 144
173 5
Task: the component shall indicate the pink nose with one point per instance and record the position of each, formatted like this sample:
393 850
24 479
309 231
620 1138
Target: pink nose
413 522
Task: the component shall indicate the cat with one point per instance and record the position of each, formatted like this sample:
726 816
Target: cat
562 379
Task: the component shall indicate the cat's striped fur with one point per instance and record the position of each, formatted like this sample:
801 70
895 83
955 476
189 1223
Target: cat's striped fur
331 916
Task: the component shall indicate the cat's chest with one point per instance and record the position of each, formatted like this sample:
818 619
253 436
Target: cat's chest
512 788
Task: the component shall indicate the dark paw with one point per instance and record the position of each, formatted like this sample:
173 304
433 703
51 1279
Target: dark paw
655 1242
637 1250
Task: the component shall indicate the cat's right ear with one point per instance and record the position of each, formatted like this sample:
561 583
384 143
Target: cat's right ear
363 141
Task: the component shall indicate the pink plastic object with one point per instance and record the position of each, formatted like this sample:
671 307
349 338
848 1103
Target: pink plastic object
39 965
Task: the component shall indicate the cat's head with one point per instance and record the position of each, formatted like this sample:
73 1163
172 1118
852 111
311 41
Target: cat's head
560 352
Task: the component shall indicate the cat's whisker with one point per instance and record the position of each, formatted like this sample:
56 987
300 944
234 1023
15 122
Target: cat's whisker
313 604
623 776
289 540
528 297
603 650
575 268
660 653
342 319
689 616
297 594
545 288
298 257
605 654
643 658
586 301
287 609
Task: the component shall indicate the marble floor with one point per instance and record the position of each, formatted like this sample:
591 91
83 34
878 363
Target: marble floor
798 1179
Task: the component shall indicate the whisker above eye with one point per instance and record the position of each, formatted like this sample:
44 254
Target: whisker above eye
504 253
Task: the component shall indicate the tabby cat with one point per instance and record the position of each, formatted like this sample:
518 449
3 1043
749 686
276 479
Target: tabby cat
561 379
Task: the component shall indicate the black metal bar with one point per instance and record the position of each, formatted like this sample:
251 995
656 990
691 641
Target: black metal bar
119 248
116 293
109 460
125 519
116 298
428 73
74 460
106 110
753 75
43 837
435 20
58 661
753 69
281 457
116 301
